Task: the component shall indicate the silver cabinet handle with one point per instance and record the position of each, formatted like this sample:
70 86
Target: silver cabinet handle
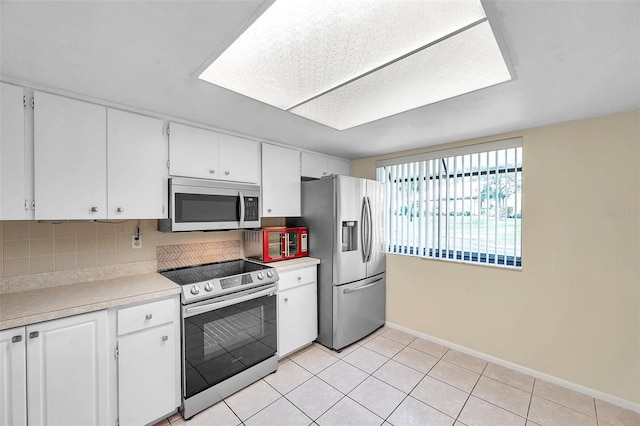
33 334
268 210
94 210
165 338
119 210
149 316
299 278
212 171
286 299
16 339
226 172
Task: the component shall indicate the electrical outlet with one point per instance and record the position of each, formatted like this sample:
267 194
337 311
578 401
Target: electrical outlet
136 241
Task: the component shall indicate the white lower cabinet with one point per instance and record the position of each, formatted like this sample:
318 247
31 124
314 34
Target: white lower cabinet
148 362
13 377
64 364
297 309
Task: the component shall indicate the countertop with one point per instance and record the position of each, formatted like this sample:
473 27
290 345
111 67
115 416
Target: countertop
32 306
285 265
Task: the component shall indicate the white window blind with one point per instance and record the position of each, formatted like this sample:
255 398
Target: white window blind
459 204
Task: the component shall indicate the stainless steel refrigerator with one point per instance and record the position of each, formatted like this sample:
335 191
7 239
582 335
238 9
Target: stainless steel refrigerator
345 217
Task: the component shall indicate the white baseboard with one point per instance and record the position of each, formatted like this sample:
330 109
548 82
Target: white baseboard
537 374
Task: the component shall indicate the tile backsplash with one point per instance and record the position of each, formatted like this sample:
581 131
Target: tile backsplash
31 247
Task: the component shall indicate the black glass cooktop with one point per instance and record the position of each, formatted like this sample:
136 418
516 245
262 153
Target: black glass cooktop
196 274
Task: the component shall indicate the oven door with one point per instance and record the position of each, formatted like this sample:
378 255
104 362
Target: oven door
224 336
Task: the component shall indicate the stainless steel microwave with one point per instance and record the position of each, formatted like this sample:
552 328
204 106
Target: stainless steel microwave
210 205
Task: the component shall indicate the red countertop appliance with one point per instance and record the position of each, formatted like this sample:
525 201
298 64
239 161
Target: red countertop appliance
275 243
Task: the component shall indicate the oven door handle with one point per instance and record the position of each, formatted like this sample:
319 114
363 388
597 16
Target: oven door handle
195 310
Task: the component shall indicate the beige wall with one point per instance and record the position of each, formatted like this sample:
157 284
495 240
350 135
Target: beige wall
573 311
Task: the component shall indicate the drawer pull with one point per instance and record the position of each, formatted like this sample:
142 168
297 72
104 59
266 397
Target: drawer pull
16 339
149 316
165 338
33 334
299 278
286 299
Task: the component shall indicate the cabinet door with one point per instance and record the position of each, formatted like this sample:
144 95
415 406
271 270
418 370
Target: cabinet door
238 159
147 375
280 181
70 144
313 165
67 371
193 152
13 378
137 159
297 318
338 167
14 201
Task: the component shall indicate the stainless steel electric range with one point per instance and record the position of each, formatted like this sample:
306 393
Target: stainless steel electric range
229 329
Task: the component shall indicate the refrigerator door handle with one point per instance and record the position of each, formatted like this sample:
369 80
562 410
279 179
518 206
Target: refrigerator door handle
362 287
370 230
363 229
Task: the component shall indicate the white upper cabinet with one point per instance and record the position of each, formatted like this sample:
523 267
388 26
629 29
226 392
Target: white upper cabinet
70 143
193 152
16 168
137 161
317 166
204 154
280 181
239 159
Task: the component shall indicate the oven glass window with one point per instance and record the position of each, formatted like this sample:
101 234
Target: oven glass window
223 342
207 208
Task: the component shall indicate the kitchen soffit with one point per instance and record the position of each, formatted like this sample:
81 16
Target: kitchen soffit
343 64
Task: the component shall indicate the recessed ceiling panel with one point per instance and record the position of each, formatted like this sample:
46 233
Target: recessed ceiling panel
298 49
468 61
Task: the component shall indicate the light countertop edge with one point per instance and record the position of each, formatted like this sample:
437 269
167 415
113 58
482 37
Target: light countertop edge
285 265
33 306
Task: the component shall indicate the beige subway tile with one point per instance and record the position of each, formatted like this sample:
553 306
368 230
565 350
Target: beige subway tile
87 244
107 243
87 230
15 248
40 264
65 246
65 230
17 266
153 240
17 230
40 231
125 255
41 247
145 253
127 228
106 229
64 262
123 242
87 260
107 258
149 225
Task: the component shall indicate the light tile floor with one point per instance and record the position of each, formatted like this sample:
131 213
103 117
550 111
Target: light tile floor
393 378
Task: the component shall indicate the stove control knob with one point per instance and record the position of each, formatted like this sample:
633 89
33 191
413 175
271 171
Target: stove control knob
260 275
195 290
208 286
270 273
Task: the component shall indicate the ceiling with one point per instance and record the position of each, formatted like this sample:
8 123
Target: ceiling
571 59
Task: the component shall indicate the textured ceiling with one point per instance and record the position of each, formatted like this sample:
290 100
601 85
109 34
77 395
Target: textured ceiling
572 60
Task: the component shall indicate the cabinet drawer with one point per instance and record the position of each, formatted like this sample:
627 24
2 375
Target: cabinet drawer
296 277
144 316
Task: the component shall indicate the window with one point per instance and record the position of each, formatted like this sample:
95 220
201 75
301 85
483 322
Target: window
459 204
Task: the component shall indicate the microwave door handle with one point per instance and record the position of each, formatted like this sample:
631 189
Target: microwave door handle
241 221
286 244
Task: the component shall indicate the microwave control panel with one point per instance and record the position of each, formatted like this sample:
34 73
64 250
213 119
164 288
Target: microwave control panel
251 208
